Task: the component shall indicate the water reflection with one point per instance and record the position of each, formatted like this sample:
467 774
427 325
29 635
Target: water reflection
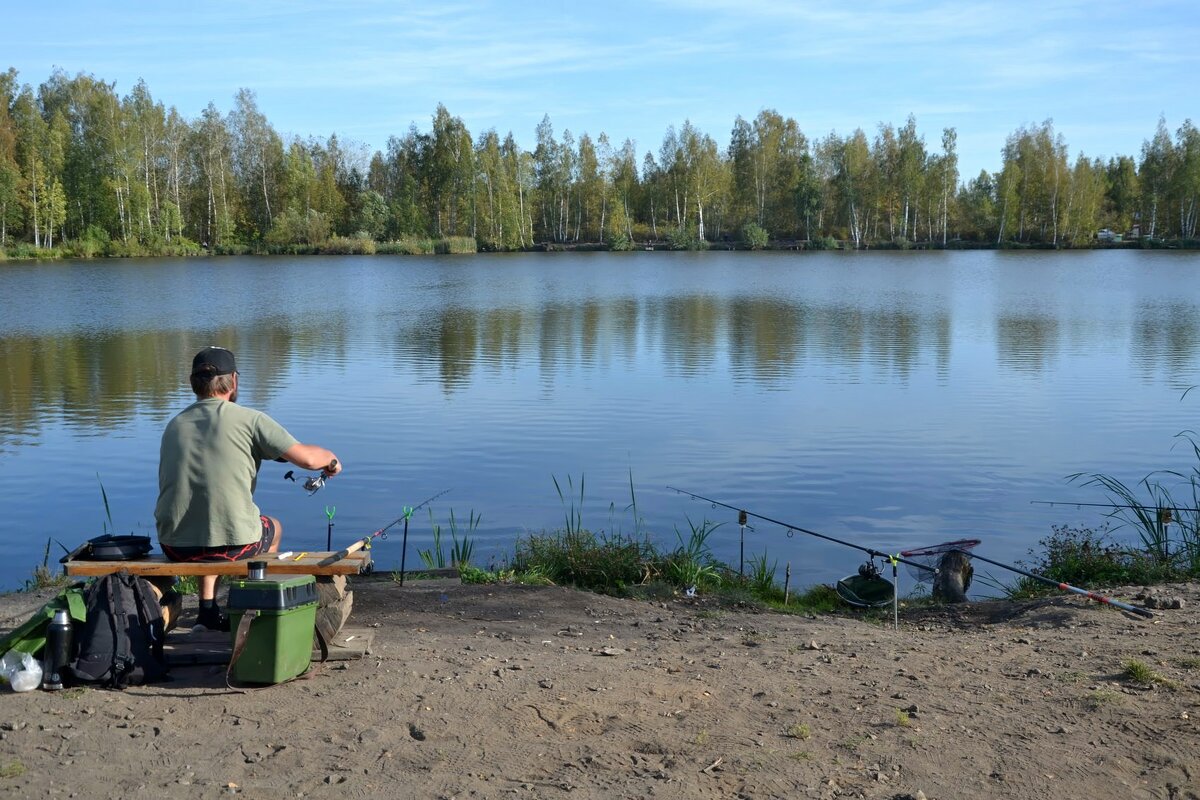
1165 341
1028 342
94 382
100 379
97 380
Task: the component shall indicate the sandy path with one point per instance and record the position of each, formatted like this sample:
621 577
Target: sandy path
537 692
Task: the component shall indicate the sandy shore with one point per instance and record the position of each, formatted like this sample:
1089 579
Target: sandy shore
499 691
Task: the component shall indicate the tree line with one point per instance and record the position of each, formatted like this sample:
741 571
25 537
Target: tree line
85 168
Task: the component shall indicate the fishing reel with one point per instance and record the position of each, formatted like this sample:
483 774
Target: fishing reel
869 569
313 483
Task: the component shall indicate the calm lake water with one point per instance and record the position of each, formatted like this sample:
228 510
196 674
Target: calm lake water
891 399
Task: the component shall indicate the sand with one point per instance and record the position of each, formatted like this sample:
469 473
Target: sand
511 691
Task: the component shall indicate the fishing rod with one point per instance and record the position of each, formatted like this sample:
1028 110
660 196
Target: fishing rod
895 559
1066 587
382 532
1160 509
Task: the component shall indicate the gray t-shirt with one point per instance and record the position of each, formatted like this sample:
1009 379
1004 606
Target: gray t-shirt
207 470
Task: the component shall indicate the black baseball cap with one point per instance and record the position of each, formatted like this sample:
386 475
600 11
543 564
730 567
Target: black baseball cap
214 361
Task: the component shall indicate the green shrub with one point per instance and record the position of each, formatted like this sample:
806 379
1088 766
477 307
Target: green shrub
686 239
620 244
755 236
456 245
408 246
346 245
1090 557
581 558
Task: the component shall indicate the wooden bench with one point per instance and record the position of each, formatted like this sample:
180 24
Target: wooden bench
356 563
334 600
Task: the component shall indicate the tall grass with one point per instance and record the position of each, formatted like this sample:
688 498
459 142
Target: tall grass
461 550
692 565
425 246
1161 508
574 515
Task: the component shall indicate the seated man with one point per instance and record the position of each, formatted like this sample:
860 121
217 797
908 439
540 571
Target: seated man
207 471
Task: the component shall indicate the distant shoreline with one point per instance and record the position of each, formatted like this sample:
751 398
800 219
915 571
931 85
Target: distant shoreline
369 247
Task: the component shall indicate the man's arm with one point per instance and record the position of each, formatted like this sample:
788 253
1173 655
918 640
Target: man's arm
310 456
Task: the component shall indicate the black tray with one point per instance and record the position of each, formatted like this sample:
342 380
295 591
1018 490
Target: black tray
110 548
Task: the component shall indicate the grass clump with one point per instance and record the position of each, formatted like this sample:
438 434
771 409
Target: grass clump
461 550
14 769
585 560
45 578
1140 672
798 731
1100 698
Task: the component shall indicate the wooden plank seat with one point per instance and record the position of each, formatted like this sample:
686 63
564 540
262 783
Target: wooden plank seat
356 563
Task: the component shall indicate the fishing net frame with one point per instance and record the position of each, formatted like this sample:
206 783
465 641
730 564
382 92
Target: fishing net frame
930 556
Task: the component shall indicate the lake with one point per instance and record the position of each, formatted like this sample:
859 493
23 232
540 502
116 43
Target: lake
890 399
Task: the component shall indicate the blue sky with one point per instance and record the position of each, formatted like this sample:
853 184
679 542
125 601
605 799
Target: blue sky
367 69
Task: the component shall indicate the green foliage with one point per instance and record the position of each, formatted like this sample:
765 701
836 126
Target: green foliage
686 239
347 245
573 514
43 577
531 577
1168 530
755 236
108 524
1141 672
621 244
582 559
691 565
798 731
293 227
762 574
81 156
461 550
1089 557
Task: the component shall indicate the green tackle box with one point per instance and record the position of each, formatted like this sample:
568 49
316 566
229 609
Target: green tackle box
280 640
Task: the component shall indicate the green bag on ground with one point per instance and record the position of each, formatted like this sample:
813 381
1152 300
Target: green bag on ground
30 636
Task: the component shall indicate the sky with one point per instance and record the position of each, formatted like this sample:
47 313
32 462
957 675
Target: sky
1103 71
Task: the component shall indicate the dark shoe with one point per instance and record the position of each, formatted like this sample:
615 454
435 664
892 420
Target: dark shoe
212 619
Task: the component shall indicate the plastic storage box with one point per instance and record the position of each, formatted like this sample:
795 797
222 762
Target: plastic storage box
279 643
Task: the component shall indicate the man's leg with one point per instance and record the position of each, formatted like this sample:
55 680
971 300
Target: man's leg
211 616
278 526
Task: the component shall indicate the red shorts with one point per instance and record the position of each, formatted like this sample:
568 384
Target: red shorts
233 552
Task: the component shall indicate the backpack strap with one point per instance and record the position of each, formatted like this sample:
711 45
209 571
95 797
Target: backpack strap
151 615
122 657
239 644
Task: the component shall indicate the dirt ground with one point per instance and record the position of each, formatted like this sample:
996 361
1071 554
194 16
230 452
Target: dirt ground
499 691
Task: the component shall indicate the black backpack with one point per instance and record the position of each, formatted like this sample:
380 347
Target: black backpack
121 642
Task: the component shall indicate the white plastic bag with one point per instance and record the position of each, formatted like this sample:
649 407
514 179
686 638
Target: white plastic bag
21 670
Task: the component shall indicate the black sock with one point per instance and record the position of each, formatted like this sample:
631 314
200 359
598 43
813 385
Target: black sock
208 605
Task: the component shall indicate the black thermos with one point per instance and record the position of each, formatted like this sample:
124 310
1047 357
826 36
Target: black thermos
58 650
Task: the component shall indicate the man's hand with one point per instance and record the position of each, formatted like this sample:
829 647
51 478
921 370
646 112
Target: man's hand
310 456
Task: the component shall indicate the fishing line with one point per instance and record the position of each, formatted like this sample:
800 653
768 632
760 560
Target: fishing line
382 532
797 529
